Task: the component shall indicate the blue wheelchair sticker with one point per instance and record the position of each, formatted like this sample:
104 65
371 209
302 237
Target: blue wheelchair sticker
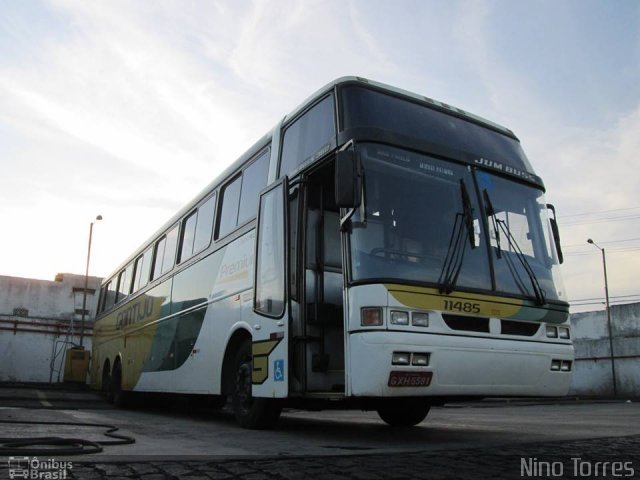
278 370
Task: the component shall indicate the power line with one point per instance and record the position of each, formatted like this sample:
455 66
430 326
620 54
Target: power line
603 243
602 298
616 302
602 220
597 213
609 250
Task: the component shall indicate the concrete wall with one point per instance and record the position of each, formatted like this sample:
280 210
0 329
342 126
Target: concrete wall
26 356
39 319
592 372
59 299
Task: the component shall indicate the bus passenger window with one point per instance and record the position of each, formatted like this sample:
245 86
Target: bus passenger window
124 283
188 235
110 297
254 179
141 270
158 254
307 136
204 226
229 209
170 250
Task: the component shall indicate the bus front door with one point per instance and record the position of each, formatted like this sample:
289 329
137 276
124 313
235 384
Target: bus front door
270 316
322 312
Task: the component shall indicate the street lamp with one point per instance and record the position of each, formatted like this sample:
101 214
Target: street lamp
86 282
606 294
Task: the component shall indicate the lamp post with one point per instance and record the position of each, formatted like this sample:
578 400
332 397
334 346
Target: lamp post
608 307
86 282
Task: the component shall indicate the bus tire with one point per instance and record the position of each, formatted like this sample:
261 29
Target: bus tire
120 397
252 413
403 412
106 383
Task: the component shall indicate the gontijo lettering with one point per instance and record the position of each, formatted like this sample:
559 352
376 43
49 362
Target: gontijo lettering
137 312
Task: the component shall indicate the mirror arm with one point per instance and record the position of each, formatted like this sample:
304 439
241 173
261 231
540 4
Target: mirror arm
345 222
556 232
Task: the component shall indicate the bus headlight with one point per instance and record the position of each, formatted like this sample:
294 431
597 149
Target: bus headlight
552 332
399 318
563 332
400 358
371 316
420 319
420 359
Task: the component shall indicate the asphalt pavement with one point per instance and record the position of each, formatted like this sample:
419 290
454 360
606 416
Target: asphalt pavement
557 438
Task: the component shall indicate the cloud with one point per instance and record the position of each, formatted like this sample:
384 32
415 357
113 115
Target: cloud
129 109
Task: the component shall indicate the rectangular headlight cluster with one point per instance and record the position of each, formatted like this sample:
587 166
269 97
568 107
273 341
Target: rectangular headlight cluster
417 359
558 332
561 365
401 317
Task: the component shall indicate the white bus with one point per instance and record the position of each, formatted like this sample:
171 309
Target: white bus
376 250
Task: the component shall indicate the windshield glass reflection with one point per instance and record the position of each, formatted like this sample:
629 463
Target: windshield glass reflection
414 205
420 226
518 220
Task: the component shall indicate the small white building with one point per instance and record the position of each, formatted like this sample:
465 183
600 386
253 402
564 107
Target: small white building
39 320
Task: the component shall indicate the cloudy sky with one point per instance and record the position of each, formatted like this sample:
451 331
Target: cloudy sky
127 109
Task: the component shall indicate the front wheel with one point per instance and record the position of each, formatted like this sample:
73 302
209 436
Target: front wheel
403 412
250 412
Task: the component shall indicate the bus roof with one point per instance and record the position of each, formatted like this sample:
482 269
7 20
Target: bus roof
401 92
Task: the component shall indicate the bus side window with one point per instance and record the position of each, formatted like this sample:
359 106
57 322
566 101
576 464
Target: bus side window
170 250
141 270
229 199
204 227
308 136
196 230
188 236
124 283
158 254
103 292
254 179
239 198
110 295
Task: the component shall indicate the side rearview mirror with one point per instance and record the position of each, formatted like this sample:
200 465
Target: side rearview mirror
556 232
348 180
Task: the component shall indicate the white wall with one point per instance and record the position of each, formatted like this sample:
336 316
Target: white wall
26 356
592 372
28 341
47 299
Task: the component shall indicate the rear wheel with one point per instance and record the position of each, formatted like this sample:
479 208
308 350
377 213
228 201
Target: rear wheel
403 412
106 384
119 396
250 412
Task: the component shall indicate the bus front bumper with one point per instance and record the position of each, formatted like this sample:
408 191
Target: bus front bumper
457 365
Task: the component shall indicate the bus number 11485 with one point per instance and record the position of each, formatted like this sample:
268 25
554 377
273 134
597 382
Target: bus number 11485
465 307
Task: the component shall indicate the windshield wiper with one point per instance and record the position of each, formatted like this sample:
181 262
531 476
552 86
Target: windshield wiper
491 213
513 245
457 245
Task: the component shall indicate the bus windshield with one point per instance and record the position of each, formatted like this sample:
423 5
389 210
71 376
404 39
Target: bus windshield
414 212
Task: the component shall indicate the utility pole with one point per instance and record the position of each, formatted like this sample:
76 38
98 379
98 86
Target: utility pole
86 282
608 307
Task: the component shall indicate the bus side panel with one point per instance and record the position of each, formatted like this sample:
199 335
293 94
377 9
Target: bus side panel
121 333
208 299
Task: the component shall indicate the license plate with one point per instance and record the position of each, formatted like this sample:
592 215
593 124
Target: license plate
410 379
